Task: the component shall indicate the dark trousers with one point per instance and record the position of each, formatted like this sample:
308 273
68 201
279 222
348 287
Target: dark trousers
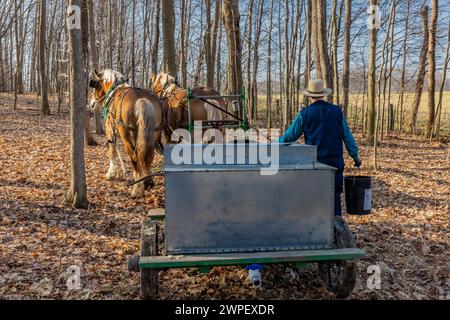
338 189
337 162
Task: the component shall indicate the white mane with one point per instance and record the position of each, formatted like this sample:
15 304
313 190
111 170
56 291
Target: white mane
111 76
164 78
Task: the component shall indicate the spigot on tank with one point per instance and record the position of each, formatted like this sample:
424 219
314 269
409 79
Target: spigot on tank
254 274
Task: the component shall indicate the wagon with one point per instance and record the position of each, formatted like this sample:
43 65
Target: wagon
227 205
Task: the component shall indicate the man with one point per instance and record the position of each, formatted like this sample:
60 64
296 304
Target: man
325 126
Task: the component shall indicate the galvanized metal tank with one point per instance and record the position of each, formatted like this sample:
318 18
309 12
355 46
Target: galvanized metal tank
227 207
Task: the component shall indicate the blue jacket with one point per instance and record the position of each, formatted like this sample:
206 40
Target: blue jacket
325 126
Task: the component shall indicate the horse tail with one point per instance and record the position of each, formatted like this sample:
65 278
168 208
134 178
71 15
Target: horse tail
145 136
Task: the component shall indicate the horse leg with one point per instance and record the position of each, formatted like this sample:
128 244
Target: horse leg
113 171
138 189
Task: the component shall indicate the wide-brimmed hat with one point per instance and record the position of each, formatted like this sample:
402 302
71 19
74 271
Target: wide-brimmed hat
316 89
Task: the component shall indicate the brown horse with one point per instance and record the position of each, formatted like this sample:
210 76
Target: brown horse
135 116
175 104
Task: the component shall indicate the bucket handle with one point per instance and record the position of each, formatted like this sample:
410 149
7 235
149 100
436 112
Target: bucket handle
354 177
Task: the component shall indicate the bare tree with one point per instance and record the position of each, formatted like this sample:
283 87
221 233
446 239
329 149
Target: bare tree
89 137
77 196
168 26
231 20
347 47
254 87
156 40
249 33
321 56
432 69
210 40
183 36
269 68
335 27
422 70
309 32
403 78
391 70
45 106
437 117
371 94
94 59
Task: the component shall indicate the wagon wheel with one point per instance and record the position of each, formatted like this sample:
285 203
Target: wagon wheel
149 247
340 275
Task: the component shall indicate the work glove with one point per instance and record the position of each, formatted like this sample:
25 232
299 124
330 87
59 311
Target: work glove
358 162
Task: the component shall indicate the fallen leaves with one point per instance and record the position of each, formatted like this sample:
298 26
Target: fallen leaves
40 238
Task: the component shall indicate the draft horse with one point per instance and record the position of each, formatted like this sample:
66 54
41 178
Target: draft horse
175 104
134 115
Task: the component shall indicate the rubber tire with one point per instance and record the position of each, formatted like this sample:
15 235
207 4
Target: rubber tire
347 270
149 248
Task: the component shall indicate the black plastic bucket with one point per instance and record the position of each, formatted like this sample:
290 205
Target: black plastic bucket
358 195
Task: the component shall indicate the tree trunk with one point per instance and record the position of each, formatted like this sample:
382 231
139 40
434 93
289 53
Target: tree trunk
156 40
133 44
269 69
280 66
231 20
391 70
168 26
213 51
422 71
254 87
383 75
144 70
315 40
371 92
308 59
432 69
347 47
211 41
45 107
403 79
334 50
249 33
287 107
77 195
218 58
441 91
183 53
94 60
89 137
320 43
20 39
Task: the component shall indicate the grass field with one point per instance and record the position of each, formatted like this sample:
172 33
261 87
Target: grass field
356 102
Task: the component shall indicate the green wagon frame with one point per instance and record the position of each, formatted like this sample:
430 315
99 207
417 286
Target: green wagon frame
337 266
236 122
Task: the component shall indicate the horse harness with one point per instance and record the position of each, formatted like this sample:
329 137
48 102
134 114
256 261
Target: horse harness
109 98
179 102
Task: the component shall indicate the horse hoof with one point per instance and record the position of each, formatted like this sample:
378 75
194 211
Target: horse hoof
149 185
137 194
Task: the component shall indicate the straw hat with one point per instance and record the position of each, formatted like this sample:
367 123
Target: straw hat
316 89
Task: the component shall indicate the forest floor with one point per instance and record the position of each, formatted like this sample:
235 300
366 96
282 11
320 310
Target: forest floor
42 239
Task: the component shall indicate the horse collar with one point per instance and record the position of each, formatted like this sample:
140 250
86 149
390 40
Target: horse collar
109 97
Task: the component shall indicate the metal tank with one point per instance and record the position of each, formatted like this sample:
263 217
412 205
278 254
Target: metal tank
230 205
